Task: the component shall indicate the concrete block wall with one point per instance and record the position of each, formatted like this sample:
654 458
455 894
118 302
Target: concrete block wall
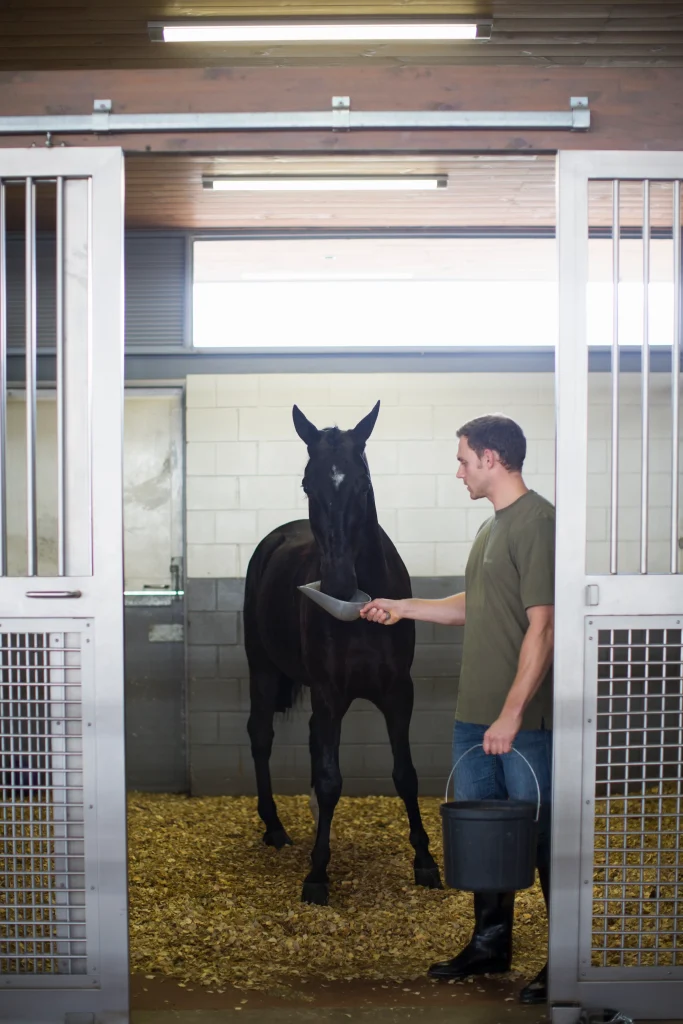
244 466
220 758
156 754
245 462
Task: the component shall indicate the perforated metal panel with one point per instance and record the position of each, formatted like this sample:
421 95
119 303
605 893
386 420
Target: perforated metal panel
632 910
44 926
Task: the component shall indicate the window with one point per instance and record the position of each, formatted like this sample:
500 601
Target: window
412 293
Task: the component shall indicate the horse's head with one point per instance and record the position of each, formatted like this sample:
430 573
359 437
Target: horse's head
337 482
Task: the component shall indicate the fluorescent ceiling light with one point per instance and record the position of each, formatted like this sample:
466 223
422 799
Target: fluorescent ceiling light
319 32
300 183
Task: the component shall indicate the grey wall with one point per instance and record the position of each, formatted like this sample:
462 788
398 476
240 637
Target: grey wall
220 758
155 691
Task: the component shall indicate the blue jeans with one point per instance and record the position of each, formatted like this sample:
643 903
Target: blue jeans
481 776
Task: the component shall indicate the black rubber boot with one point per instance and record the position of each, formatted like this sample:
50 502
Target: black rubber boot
536 991
490 948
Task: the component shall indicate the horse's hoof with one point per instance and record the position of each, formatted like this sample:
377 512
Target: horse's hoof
278 839
315 892
429 877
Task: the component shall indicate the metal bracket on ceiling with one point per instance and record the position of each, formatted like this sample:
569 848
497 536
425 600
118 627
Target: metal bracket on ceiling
341 113
100 116
581 115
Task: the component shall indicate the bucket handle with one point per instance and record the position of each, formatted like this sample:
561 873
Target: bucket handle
514 750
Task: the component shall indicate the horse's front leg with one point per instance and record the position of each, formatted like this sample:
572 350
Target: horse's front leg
263 688
397 714
327 782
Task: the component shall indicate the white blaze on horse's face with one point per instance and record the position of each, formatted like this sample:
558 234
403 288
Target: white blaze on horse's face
337 478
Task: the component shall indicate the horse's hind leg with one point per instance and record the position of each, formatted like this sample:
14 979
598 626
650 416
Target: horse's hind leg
263 692
397 714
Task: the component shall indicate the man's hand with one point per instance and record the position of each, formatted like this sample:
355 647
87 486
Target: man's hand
498 739
382 610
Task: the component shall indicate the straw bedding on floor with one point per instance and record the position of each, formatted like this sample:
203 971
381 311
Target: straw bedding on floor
212 905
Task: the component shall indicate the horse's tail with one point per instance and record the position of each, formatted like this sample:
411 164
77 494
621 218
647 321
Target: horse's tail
288 693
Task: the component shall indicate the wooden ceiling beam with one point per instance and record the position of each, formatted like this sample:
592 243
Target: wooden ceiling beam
64 34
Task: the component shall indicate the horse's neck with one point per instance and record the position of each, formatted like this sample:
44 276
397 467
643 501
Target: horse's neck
371 564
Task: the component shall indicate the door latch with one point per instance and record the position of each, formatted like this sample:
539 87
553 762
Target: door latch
592 595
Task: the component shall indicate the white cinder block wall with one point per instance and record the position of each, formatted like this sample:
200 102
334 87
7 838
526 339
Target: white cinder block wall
245 462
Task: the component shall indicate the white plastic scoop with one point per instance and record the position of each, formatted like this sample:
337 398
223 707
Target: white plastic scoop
345 611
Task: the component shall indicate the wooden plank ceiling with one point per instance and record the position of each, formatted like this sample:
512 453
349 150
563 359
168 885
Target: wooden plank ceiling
484 192
68 34
487 191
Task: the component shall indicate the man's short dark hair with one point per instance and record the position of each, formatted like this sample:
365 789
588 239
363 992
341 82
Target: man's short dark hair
499 434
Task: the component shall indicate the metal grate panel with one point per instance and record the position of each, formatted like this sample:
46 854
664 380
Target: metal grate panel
42 847
637 909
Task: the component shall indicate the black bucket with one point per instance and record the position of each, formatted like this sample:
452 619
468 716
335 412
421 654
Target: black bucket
490 845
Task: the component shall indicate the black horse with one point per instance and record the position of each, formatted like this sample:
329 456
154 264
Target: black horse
291 642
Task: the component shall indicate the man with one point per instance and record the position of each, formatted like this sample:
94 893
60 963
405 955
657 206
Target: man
505 691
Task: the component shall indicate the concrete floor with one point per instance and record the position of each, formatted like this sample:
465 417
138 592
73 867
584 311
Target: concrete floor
488 1000
481 1014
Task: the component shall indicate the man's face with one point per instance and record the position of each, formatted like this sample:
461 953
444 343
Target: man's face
472 470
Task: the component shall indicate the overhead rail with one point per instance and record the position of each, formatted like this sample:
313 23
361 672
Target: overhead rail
340 117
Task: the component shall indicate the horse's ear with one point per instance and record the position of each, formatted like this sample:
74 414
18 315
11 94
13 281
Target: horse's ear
361 432
309 434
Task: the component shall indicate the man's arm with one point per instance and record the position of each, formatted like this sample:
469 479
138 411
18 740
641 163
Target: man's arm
448 611
535 658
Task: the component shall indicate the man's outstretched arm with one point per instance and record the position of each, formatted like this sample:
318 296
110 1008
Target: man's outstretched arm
447 611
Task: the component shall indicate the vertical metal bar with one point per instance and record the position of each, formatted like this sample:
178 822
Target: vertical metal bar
90 342
31 365
77 370
61 521
645 383
614 489
569 931
3 383
675 374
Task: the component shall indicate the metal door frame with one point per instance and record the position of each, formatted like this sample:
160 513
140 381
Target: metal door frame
616 595
92 267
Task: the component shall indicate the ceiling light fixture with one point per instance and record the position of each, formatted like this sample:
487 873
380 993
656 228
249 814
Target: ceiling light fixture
313 183
322 31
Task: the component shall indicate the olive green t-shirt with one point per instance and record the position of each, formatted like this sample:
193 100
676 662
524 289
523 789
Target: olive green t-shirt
511 568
